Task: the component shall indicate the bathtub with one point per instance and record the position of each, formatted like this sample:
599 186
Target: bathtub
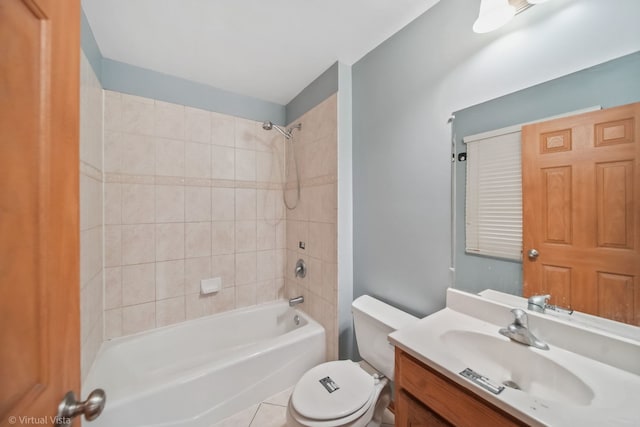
196 373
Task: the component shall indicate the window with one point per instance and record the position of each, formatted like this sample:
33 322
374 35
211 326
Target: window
493 213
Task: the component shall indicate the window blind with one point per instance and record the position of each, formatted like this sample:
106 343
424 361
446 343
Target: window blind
493 211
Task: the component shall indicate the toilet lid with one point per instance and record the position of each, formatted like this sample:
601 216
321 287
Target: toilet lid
332 390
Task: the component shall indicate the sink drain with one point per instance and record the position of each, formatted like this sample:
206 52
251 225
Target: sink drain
511 384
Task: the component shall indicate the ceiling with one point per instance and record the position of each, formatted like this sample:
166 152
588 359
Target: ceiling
267 49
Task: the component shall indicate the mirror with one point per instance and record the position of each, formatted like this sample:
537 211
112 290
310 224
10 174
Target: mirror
607 85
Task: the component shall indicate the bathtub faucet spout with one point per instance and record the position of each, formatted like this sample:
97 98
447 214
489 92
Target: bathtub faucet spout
295 301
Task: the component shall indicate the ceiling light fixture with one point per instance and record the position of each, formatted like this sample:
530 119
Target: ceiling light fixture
493 15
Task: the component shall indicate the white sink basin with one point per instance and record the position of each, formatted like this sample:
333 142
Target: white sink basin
582 380
516 365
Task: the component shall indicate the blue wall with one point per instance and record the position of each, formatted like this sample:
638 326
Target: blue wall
610 84
125 78
317 91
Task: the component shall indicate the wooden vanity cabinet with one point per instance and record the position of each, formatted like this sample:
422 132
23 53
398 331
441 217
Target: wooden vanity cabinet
425 397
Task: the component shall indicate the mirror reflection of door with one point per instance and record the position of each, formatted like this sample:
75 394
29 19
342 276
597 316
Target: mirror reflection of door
581 212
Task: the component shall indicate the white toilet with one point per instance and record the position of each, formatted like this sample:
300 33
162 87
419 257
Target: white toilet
342 393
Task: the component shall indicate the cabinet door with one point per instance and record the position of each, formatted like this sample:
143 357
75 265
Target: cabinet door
412 413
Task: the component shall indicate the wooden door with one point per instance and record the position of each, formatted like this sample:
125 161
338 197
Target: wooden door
581 211
39 224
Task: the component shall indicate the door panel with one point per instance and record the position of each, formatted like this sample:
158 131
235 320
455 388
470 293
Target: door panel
614 204
39 283
581 189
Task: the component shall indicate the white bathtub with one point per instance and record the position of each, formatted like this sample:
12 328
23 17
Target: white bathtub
196 373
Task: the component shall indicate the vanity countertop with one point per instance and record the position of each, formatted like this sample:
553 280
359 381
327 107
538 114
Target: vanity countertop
560 387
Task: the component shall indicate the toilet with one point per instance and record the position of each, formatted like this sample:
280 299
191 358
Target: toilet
345 393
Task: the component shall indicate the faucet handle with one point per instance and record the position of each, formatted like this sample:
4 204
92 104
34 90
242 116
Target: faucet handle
538 302
521 318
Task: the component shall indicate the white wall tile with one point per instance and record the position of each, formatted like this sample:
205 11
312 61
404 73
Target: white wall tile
138 204
138 244
222 130
245 165
90 253
223 204
197 305
197 125
169 120
170 202
265 235
90 202
170 241
198 204
197 159
170 159
137 318
224 266
265 265
197 239
112 323
246 133
113 245
169 279
223 162
246 204
138 283
138 154
137 115
245 268
170 311
112 287
245 295
245 236
223 237
112 151
112 203
112 110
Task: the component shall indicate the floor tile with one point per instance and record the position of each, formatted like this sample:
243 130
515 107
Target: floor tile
241 419
270 416
388 417
281 398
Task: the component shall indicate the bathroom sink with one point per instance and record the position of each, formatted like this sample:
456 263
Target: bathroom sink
517 366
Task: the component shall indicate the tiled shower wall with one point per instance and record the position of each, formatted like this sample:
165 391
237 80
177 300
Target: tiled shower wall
189 195
314 221
91 243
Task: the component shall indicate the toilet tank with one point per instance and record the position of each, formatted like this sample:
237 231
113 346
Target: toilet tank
373 321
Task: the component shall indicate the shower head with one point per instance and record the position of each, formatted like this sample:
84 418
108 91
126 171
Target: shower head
270 125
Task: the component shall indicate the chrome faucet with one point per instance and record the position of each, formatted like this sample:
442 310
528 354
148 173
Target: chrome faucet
295 301
519 331
540 304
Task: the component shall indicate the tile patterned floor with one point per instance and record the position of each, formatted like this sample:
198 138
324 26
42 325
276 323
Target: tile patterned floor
272 412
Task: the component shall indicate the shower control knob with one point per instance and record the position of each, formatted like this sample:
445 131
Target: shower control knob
301 269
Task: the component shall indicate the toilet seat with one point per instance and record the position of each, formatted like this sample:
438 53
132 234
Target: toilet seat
351 405
352 387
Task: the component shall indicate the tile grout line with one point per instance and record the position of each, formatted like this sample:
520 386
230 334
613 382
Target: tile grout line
254 414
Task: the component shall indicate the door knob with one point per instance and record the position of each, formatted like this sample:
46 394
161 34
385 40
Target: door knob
91 408
533 253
